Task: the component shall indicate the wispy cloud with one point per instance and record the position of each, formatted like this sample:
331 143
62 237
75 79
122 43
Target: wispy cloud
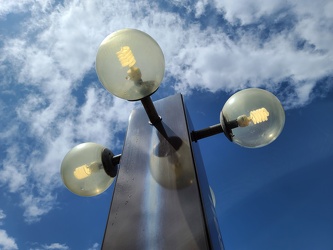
52 246
13 172
263 44
46 69
6 242
2 216
56 246
94 247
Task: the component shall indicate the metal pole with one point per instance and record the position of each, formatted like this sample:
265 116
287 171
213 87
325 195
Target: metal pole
161 198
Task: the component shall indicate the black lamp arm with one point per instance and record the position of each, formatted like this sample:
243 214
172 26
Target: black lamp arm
212 130
149 107
206 132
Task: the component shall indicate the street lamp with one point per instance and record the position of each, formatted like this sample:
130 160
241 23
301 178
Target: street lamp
162 198
89 169
130 64
251 118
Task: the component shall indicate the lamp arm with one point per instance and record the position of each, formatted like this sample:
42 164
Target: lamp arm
149 107
206 132
212 130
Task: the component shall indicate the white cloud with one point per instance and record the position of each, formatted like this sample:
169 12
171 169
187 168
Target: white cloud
94 247
12 6
7 242
49 60
13 172
199 7
249 11
36 204
2 216
247 63
56 246
214 60
24 6
52 246
316 23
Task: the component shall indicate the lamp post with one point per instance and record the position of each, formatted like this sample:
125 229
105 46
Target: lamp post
161 198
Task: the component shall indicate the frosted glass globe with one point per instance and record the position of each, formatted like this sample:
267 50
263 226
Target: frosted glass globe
259 115
82 170
130 64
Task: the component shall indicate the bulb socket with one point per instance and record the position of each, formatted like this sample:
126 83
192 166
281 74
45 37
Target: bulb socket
109 165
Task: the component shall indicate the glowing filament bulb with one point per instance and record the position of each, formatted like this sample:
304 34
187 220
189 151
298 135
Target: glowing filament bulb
256 116
85 171
259 115
126 58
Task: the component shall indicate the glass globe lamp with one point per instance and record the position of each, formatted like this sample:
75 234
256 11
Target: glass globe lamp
252 118
130 64
84 169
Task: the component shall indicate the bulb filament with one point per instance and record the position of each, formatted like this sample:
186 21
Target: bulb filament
126 58
259 115
85 171
256 116
82 172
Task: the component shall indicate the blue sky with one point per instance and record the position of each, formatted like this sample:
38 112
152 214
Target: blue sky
276 197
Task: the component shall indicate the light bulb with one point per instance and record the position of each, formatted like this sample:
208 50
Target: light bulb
252 118
256 116
130 64
126 58
85 170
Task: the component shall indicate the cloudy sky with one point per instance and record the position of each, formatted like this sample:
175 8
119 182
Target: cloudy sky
277 197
